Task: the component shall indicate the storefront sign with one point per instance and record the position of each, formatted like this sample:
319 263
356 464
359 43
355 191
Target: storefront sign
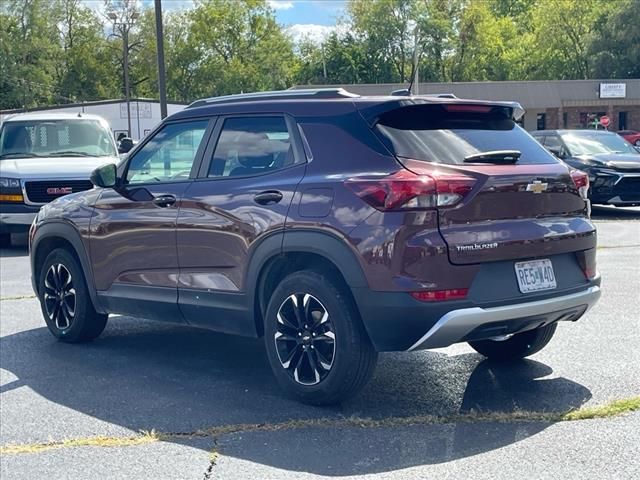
138 110
613 90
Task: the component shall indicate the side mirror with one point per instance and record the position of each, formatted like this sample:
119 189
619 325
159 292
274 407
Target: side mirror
125 145
105 176
557 151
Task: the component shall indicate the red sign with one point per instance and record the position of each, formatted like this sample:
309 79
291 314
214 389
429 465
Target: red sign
605 121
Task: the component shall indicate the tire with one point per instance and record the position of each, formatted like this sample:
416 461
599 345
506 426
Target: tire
65 301
519 345
637 143
334 342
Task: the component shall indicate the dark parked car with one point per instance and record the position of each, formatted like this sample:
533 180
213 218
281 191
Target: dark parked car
631 136
336 226
613 164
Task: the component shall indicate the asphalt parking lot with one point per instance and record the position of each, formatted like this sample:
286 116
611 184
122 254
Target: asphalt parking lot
150 400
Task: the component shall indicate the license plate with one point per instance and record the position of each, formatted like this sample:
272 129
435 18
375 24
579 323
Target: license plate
535 275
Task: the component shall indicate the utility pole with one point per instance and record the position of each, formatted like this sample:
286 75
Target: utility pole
162 85
125 23
125 56
416 62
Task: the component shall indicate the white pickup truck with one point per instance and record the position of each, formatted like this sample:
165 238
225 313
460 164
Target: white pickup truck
44 156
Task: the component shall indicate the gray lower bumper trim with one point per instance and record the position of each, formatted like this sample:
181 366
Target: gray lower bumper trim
455 325
17 218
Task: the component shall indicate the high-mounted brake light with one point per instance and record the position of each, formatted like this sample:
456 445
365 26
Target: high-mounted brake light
456 107
581 181
441 295
405 190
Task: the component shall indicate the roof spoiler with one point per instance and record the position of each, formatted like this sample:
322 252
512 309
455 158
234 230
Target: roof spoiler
373 113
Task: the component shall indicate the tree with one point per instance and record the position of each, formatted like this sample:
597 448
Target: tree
83 71
615 43
29 52
241 47
387 29
556 47
483 45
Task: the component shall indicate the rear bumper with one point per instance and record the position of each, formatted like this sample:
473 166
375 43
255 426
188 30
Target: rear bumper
396 322
476 322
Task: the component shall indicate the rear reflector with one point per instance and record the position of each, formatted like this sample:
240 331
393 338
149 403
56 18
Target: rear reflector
581 181
405 190
441 295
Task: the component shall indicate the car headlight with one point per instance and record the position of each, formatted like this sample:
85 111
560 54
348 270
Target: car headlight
10 183
10 190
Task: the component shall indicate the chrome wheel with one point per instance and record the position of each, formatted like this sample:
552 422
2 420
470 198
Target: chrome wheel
59 296
305 339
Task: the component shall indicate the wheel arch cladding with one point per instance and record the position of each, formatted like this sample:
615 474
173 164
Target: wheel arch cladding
301 251
54 235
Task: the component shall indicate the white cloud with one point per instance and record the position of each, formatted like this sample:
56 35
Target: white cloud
315 33
280 4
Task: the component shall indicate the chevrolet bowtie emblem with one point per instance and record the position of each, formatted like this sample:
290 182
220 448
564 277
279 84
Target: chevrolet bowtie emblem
537 187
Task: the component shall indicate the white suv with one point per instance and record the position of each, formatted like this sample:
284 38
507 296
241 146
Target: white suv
44 156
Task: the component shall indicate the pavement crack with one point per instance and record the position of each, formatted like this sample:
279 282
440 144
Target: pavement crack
17 297
213 459
609 410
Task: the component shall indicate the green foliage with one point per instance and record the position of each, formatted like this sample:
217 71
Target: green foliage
57 51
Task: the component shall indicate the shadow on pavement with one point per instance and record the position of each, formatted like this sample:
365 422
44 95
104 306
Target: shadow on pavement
14 251
600 212
143 376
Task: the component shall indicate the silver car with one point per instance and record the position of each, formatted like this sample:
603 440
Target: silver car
44 156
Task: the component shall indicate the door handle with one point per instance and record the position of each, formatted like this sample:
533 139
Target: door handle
164 200
268 197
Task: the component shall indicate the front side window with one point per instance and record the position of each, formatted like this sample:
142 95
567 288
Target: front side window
169 155
252 146
56 138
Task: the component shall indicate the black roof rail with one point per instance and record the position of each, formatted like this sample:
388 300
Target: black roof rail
305 93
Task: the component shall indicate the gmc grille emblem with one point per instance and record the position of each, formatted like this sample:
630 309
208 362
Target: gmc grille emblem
59 190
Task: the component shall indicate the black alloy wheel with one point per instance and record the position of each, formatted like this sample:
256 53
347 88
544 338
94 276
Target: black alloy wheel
305 338
59 296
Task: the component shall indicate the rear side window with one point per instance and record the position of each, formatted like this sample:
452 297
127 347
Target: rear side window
434 134
252 146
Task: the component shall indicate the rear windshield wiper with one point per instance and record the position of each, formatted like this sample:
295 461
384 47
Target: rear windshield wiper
494 156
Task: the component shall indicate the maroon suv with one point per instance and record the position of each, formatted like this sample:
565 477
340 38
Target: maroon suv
334 225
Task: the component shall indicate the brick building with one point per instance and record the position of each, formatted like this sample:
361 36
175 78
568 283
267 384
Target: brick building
549 104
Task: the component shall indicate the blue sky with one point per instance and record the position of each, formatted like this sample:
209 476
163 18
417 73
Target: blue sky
316 12
312 18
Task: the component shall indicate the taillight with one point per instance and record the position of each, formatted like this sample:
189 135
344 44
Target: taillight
405 190
441 295
581 181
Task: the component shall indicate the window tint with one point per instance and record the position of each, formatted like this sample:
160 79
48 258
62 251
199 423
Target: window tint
434 134
169 155
252 146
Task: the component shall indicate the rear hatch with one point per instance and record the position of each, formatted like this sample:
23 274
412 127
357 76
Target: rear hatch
512 199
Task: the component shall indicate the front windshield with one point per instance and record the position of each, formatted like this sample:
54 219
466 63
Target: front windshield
587 143
60 138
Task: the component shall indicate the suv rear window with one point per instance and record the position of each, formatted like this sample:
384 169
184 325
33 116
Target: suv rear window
449 133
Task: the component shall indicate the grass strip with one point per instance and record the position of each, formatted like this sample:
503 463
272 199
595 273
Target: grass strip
17 297
611 409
